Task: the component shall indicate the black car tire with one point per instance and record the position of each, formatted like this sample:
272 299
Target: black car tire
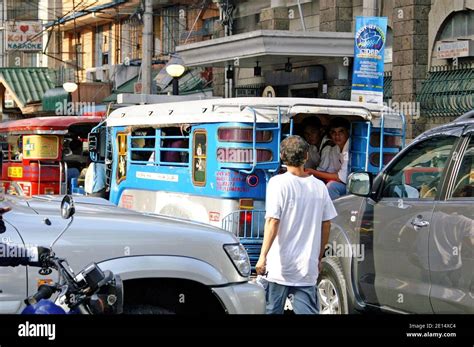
332 279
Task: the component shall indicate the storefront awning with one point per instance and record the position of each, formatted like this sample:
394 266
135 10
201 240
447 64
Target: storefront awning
448 91
26 86
268 47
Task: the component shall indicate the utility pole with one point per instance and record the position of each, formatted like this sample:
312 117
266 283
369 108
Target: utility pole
147 47
76 41
3 19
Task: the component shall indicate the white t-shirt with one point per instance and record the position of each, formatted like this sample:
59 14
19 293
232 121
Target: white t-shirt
330 160
301 204
344 160
333 160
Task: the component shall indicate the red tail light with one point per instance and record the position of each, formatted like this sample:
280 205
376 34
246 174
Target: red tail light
246 217
245 224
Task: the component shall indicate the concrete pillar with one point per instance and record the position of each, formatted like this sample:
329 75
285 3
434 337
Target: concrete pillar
274 18
336 15
370 8
410 56
218 81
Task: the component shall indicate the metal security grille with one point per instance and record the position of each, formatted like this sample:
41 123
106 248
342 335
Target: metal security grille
387 86
171 29
448 91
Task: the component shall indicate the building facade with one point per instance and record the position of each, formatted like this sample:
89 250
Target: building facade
305 48
102 41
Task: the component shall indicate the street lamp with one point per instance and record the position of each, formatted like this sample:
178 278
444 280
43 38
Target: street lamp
70 87
175 71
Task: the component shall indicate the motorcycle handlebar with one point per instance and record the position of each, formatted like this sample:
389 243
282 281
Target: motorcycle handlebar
45 291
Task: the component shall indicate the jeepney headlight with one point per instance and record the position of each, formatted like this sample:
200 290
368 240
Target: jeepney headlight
239 257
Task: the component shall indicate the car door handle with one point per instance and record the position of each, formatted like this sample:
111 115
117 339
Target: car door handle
419 222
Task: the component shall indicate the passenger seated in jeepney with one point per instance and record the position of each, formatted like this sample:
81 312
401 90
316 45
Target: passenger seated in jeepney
313 133
140 142
174 156
337 157
74 157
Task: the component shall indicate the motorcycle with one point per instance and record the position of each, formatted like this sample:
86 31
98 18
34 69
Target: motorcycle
91 291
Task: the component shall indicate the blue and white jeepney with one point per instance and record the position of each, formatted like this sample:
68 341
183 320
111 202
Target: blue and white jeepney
209 160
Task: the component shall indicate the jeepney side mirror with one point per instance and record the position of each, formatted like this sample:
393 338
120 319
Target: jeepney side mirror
360 183
93 139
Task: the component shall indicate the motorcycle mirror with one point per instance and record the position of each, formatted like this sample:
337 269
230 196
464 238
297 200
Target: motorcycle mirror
67 207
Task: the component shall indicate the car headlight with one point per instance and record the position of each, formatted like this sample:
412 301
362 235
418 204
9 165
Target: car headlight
239 257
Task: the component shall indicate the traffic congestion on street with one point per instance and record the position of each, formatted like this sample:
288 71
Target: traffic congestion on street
237 157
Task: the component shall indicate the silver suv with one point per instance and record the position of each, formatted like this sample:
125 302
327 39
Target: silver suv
167 265
404 241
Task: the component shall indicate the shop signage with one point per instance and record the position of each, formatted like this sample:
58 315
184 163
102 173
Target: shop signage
24 36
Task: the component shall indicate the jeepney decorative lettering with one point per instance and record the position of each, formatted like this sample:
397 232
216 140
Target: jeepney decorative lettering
127 201
157 176
40 147
15 172
230 181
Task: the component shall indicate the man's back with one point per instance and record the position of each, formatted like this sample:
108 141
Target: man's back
301 204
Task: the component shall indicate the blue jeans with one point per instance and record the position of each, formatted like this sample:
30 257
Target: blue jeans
336 189
305 299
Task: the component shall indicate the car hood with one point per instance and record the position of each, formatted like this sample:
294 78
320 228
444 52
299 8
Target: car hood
102 231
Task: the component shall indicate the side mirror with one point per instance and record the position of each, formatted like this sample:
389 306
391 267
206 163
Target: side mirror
360 183
67 207
93 139
67 211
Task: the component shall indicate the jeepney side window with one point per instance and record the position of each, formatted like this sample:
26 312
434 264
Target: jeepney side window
142 151
178 141
15 147
102 143
199 157
122 157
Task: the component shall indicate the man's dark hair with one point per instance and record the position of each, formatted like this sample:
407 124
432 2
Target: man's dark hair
312 121
339 122
293 151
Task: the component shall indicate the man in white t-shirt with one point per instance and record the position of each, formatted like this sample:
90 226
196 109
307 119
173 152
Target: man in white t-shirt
339 155
297 225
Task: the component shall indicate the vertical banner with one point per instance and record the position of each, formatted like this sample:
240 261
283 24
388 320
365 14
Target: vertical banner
369 45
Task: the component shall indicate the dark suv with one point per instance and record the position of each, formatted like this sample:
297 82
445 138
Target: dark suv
403 241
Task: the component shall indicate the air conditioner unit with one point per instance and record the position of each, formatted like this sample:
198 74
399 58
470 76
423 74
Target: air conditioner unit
94 74
98 74
105 73
90 75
